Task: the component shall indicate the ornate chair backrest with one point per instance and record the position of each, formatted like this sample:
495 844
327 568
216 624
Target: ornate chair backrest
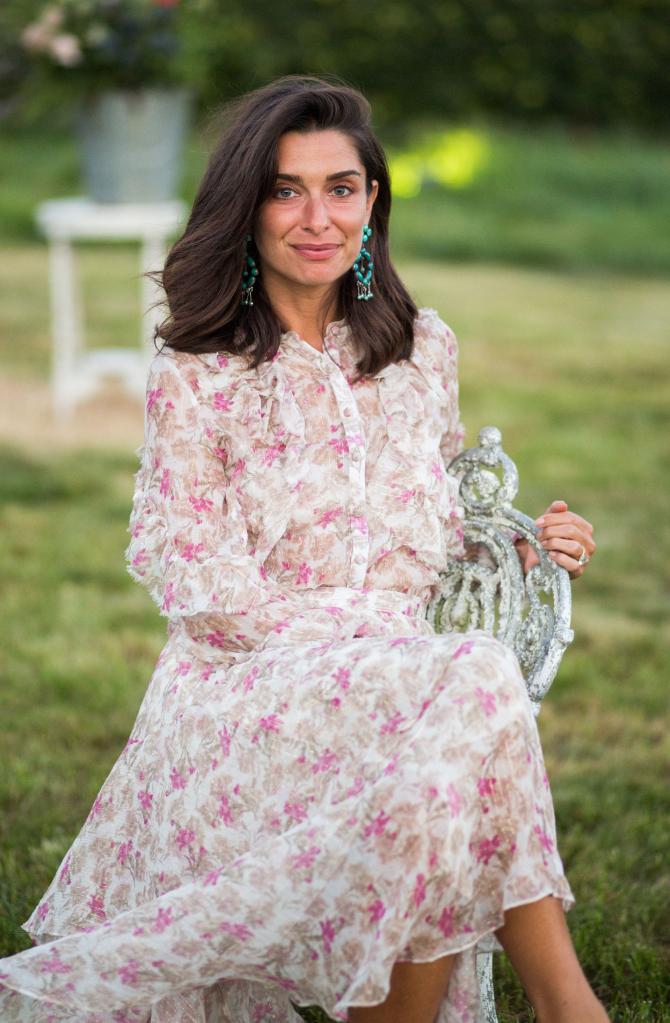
488 589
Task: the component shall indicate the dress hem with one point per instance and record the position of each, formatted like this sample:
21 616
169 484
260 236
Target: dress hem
567 901
553 890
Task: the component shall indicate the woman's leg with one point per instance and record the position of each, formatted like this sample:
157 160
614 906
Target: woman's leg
538 943
537 940
416 992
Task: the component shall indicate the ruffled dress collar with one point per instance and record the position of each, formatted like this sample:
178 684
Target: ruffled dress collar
336 345
337 348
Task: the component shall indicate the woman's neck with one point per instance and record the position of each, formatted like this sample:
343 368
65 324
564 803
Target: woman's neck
302 310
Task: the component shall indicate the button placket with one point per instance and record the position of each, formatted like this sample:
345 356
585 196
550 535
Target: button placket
354 434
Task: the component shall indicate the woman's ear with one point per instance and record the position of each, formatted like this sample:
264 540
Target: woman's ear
372 195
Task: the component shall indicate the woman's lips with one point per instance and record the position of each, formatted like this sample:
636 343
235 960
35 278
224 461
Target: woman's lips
316 252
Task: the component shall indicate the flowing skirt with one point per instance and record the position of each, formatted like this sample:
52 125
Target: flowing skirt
284 826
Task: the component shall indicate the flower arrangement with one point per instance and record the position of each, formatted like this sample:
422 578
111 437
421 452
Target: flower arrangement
103 44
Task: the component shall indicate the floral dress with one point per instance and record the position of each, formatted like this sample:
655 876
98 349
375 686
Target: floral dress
317 785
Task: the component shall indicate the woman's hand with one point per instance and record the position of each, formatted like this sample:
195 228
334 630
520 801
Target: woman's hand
563 534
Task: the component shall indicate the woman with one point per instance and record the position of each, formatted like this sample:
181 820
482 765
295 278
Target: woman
321 801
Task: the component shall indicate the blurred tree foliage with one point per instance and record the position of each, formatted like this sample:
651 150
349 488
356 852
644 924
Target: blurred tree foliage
590 63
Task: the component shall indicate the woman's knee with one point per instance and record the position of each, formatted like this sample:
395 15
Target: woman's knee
490 669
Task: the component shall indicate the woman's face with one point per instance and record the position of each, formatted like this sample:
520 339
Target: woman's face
309 232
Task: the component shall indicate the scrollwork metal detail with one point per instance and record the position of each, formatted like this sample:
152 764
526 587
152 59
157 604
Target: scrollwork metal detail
487 589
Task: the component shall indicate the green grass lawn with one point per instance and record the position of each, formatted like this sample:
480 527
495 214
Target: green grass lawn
574 369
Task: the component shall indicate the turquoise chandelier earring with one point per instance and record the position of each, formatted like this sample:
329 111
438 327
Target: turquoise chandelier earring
363 269
249 275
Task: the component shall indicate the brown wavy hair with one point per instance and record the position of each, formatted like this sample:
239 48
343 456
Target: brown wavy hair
202 274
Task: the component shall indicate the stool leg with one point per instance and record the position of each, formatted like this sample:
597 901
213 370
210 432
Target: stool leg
66 321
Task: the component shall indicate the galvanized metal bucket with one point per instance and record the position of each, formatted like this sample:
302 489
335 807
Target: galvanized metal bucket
131 143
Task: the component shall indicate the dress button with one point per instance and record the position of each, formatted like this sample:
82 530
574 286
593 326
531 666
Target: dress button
356 455
347 412
360 559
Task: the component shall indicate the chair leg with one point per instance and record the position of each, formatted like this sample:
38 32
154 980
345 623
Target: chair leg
487 1004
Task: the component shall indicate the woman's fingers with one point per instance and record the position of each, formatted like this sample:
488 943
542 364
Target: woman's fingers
568 538
557 537
564 534
568 562
565 545
553 519
566 529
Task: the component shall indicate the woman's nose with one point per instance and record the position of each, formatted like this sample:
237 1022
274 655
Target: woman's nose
316 214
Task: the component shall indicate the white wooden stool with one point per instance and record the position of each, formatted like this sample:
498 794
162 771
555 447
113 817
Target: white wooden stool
77 373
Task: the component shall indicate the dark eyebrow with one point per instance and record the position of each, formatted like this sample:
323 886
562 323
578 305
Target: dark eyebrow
297 180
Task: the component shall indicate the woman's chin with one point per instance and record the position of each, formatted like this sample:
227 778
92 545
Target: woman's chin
317 279
319 272
316 275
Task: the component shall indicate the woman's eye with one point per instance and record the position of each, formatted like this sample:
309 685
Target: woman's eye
339 191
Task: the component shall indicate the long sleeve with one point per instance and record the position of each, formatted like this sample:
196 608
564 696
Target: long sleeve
188 542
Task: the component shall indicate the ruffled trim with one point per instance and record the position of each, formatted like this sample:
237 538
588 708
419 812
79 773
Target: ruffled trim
180 587
266 460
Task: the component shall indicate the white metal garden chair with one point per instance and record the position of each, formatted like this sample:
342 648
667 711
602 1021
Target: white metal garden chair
488 590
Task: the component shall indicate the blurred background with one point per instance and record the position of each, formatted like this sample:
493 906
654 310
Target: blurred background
529 144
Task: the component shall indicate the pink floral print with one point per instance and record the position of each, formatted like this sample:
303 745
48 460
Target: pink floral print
316 784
